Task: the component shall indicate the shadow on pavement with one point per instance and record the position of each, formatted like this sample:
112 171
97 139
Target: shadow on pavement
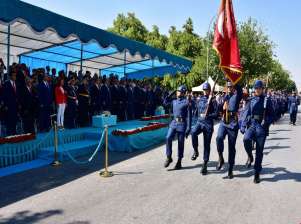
279 174
270 139
25 217
22 185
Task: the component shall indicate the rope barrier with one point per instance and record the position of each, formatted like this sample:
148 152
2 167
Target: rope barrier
31 150
66 151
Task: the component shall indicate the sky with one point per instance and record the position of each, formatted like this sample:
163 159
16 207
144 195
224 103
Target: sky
280 19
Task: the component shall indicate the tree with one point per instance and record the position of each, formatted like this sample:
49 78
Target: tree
256 50
155 39
130 27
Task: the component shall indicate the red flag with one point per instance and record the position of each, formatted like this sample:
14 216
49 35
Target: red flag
226 42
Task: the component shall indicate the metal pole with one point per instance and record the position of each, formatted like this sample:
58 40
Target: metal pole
8 47
55 162
211 21
124 64
153 66
81 58
106 173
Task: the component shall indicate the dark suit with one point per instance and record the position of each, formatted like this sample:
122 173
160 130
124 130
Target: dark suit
10 103
95 100
45 96
29 103
105 96
122 102
71 109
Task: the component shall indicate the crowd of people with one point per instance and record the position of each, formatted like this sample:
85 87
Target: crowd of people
28 99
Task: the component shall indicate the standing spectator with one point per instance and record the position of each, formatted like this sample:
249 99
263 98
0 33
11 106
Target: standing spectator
150 101
83 103
122 101
105 95
10 103
60 99
95 97
72 103
29 103
130 102
114 96
45 102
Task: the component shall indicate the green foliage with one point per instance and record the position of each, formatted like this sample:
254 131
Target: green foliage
256 50
129 26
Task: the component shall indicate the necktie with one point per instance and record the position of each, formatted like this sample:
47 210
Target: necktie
14 86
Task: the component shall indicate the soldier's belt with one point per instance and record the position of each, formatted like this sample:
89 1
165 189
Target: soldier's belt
179 119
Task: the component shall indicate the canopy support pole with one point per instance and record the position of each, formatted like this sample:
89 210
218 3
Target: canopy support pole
8 47
124 64
153 66
81 58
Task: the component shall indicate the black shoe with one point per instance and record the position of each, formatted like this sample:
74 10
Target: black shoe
221 163
167 162
256 178
249 161
178 166
230 174
195 155
204 170
294 124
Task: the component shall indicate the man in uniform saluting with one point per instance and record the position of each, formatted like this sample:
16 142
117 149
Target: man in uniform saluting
180 125
207 111
259 116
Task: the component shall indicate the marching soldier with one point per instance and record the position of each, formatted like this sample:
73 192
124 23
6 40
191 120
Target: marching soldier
229 126
180 125
207 112
293 103
259 116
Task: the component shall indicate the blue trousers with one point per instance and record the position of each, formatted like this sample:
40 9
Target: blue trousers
232 133
255 133
172 131
207 131
293 117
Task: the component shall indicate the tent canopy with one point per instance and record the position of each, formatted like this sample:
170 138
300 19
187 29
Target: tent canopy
218 88
39 37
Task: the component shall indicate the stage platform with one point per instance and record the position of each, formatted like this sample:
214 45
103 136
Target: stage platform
79 142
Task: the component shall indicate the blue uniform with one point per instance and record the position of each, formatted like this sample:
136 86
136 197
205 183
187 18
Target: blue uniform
293 103
230 127
257 119
204 125
180 125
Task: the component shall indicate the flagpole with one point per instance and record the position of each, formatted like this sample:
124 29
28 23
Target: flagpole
208 40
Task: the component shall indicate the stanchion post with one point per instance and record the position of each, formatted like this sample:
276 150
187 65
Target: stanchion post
55 162
106 173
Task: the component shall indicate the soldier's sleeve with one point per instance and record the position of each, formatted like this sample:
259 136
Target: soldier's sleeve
246 116
214 110
269 119
189 116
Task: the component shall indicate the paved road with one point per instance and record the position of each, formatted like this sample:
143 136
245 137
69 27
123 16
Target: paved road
144 192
